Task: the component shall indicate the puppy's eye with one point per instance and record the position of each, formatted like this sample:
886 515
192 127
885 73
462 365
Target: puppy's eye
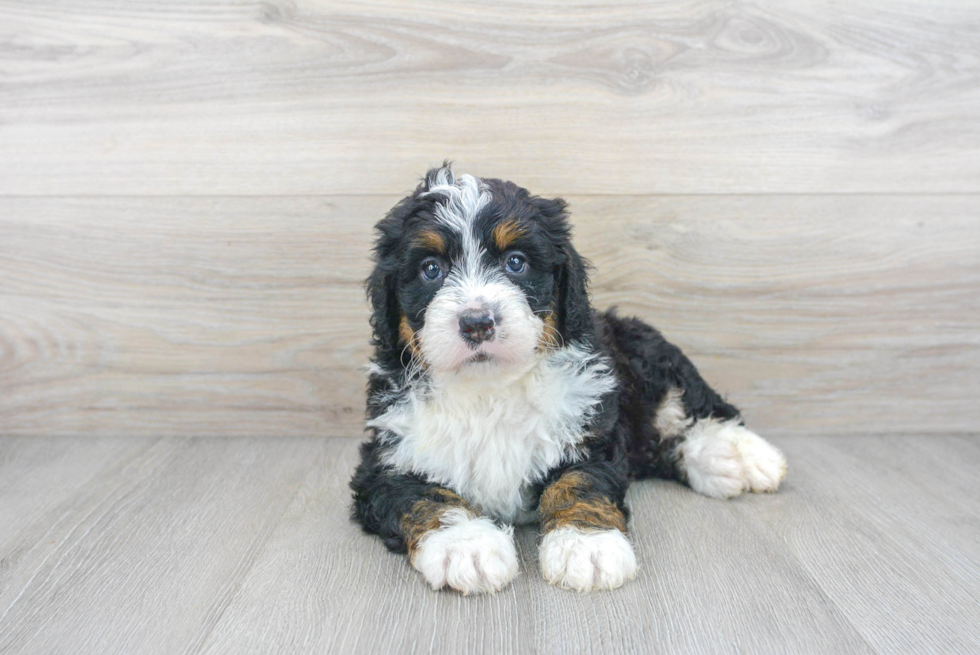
431 270
516 263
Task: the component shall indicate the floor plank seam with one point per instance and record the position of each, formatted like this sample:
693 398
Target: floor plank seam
254 557
119 465
151 442
823 593
109 497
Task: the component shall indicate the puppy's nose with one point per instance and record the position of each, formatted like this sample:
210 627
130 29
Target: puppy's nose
476 325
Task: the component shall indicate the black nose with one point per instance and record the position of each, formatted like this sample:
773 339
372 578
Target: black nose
476 325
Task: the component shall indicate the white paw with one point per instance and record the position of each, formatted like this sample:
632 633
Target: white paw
586 560
764 467
723 459
713 466
471 555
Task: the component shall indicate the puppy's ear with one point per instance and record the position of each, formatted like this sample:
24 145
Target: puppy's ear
382 284
572 277
574 310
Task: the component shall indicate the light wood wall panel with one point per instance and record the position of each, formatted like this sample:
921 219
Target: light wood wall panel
307 97
789 190
232 316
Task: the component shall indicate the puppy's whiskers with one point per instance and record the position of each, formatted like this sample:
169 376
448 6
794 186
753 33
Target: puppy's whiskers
416 363
551 338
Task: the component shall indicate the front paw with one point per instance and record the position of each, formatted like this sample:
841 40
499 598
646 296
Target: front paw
587 560
471 555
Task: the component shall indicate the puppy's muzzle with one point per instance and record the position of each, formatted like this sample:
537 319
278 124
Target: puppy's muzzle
476 325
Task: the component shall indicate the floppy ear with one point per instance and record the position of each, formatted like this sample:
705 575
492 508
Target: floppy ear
381 285
574 310
571 278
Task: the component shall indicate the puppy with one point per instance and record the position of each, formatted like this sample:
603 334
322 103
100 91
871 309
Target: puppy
497 396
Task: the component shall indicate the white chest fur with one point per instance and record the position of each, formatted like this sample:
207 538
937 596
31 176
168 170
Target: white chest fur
490 442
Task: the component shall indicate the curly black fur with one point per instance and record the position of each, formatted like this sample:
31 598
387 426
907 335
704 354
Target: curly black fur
621 440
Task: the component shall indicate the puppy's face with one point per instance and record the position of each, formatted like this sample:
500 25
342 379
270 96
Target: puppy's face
470 274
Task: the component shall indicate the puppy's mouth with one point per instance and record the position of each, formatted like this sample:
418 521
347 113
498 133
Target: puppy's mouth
481 357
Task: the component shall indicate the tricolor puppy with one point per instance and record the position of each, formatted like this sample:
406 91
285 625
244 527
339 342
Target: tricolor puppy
497 396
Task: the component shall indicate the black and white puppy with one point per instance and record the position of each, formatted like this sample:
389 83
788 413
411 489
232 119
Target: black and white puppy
498 396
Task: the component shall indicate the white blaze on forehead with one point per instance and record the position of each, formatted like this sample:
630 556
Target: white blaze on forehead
465 197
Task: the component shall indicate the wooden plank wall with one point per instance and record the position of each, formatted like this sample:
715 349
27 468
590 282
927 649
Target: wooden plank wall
790 191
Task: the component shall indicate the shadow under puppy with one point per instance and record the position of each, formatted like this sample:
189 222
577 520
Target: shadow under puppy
498 396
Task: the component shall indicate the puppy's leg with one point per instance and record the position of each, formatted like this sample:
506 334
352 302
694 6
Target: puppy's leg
453 546
446 539
710 447
584 523
691 433
722 459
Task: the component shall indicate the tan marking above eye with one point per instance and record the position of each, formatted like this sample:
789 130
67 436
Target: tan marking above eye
506 233
432 240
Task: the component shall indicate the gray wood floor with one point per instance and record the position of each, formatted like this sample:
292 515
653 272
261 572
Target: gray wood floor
149 545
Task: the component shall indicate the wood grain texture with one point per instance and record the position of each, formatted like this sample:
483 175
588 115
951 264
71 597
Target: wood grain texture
145 555
38 474
245 546
324 587
873 518
182 316
234 316
712 579
308 97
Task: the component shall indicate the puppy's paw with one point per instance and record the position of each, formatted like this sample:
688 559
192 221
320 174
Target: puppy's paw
764 467
586 560
471 555
713 466
723 459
